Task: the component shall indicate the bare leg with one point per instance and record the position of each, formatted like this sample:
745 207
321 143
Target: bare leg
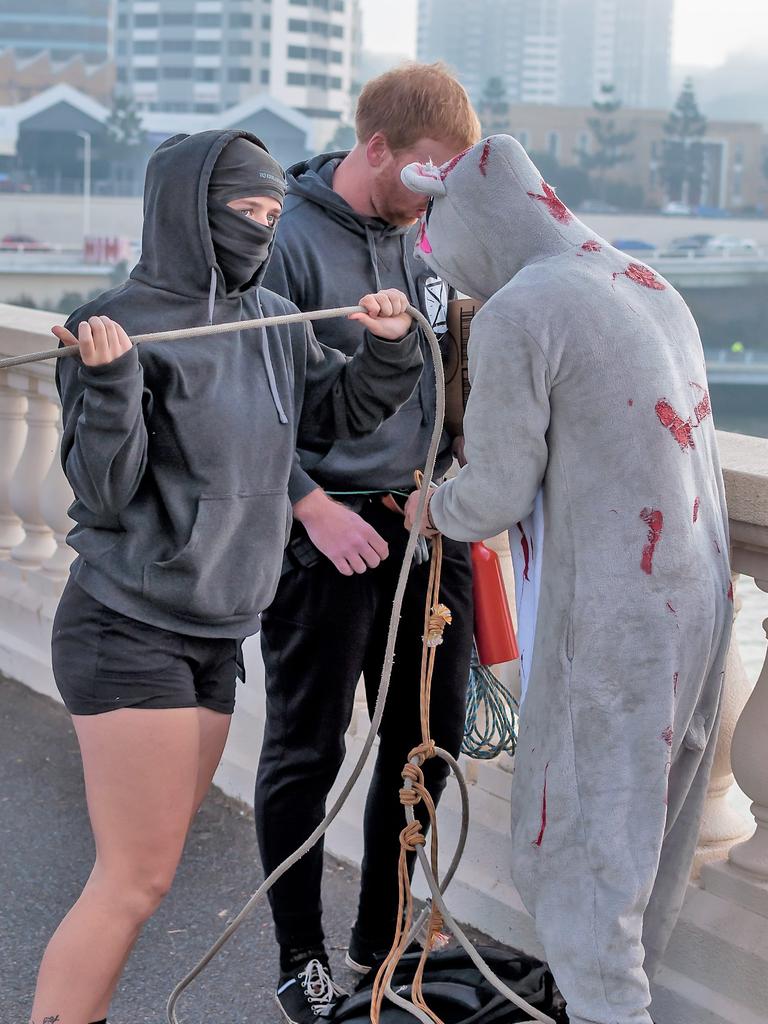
142 777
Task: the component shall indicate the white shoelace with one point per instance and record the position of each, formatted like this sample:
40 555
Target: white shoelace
320 988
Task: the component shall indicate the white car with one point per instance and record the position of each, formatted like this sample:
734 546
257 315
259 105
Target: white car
731 245
675 209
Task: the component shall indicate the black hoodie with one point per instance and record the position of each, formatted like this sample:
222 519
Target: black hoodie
179 452
327 254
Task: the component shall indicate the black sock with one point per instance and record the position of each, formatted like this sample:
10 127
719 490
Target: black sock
291 958
102 1021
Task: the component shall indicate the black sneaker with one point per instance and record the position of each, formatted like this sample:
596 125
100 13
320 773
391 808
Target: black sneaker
362 957
308 993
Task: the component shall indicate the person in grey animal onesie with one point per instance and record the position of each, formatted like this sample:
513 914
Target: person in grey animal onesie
589 436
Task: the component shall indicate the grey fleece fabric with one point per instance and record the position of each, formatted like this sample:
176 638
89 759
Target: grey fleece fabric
179 452
589 437
326 253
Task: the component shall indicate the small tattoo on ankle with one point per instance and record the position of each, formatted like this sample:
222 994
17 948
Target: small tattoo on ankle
51 1020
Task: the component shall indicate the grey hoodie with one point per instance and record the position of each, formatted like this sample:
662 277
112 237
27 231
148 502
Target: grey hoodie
326 254
589 437
179 452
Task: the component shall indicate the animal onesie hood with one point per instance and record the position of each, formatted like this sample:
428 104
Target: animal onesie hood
179 452
589 437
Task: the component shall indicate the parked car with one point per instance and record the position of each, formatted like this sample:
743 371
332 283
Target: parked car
675 209
22 243
689 245
633 245
730 245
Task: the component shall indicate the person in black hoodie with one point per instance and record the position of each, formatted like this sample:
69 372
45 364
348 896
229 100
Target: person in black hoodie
346 226
179 455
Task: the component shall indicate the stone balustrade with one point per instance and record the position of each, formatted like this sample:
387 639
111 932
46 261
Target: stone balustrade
716 971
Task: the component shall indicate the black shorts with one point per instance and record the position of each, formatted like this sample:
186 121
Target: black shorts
103 660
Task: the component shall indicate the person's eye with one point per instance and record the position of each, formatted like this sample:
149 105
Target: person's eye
271 220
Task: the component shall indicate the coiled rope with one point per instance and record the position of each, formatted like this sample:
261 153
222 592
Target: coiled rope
490 722
411 837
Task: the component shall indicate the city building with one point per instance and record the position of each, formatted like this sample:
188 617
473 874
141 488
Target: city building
22 77
76 28
553 51
204 56
42 140
734 151
627 45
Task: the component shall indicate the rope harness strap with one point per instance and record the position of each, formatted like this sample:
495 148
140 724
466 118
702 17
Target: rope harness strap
436 618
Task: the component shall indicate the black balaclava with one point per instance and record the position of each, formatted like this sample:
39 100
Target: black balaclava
243 169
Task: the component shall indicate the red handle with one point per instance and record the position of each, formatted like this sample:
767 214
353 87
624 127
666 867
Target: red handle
494 632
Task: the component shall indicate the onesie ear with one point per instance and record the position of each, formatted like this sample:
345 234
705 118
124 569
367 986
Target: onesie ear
424 178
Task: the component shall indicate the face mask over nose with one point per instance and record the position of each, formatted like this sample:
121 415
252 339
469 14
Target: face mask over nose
241 244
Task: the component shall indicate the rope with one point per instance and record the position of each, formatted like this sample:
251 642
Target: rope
491 718
186 333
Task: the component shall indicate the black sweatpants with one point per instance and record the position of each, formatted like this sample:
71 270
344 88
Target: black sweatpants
321 632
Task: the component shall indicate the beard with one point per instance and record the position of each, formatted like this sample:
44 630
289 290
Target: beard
394 204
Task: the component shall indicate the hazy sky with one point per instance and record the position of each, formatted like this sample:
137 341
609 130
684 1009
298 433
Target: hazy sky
706 31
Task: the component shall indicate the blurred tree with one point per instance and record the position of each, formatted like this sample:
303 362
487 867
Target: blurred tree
682 157
572 183
609 143
124 128
493 108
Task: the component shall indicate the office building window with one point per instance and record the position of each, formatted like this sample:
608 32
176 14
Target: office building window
298 25
145 21
297 52
244 20
208 20
266 48
209 46
145 46
168 18
145 74
177 74
264 77
295 78
206 74
240 46
238 74
266 21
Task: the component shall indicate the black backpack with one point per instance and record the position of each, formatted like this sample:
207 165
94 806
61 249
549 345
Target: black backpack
458 993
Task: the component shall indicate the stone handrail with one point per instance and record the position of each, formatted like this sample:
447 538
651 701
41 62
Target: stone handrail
732 858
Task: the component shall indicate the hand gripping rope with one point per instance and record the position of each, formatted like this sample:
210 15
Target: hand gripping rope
413 791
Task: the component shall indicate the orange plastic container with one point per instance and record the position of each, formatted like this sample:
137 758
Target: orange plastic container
494 632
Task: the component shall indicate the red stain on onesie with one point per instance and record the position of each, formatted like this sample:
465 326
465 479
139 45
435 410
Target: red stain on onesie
526 552
695 509
641 275
654 520
556 206
484 157
679 428
540 837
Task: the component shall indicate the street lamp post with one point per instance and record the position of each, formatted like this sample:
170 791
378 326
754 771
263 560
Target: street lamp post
86 137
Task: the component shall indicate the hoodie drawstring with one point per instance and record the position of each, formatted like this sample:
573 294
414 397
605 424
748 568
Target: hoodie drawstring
374 257
212 295
269 367
426 390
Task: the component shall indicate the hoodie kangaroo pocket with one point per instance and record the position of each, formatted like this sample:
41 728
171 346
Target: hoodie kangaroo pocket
230 566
